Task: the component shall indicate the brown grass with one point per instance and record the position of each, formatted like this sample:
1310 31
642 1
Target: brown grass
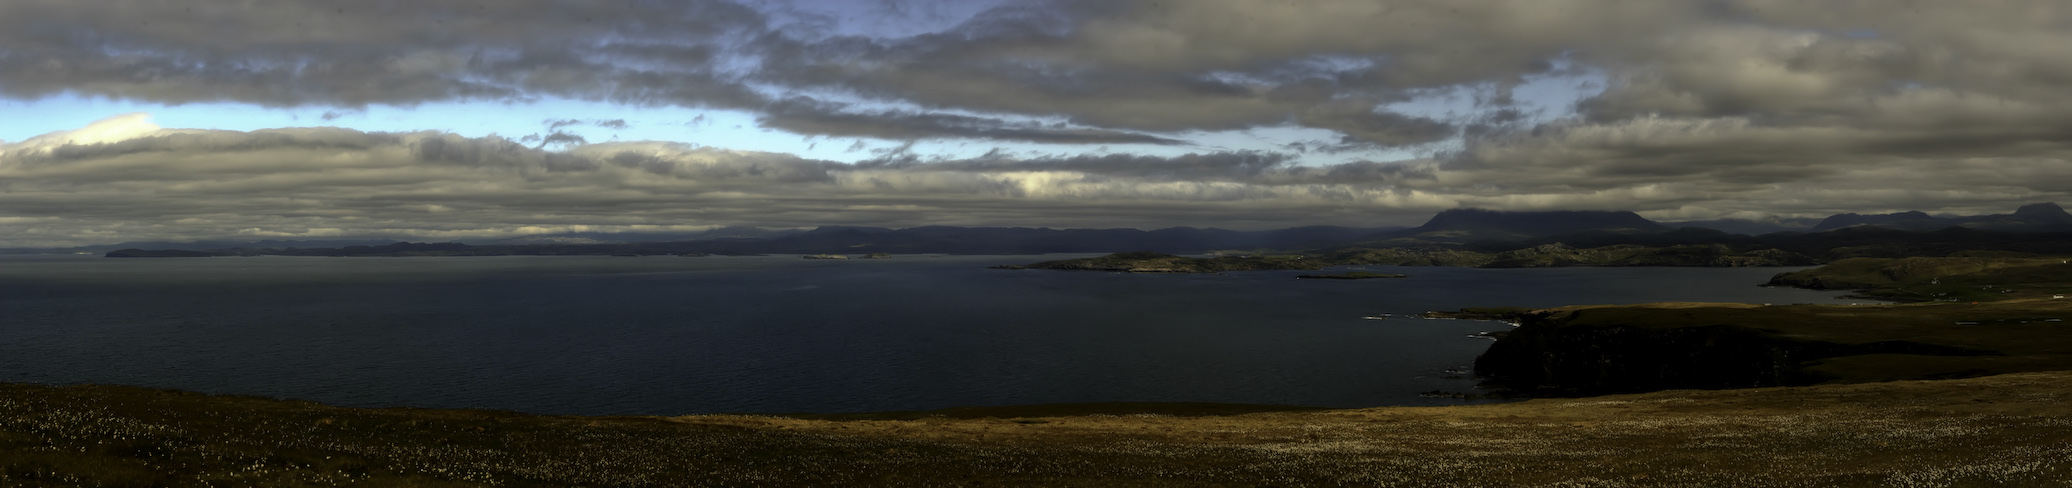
2011 430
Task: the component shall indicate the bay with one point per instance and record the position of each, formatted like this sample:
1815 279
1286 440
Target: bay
768 334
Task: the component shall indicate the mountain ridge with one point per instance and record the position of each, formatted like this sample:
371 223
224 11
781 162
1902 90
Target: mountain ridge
1476 229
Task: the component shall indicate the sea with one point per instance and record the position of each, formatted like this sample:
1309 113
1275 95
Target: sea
667 335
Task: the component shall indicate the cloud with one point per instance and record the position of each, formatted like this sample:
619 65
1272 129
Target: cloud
124 177
1221 64
561 138
111 129
185 184
1114 70
1220 166
1697 109
807 115
353 54
1362 123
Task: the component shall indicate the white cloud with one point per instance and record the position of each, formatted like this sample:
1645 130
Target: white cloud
112 129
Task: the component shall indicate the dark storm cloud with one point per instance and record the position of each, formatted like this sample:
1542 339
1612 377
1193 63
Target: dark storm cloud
353 53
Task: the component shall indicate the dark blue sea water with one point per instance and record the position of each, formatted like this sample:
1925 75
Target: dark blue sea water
671 335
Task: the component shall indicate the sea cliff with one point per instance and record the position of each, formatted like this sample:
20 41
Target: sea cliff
1615 349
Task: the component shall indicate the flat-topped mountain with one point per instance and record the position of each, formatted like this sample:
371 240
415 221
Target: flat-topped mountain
1753 227
1474 224
2044 214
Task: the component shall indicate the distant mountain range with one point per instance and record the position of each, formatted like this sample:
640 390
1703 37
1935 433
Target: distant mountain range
1466 229
2039 217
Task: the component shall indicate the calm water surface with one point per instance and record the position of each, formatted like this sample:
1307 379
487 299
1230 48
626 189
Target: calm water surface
669 335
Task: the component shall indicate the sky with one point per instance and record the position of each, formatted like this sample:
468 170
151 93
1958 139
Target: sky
129 120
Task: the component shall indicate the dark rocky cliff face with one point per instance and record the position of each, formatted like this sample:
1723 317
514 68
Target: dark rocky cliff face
1564 353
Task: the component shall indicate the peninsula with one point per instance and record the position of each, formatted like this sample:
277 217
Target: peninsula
1973 316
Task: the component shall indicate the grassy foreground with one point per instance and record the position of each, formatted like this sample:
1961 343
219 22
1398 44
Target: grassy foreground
2009 430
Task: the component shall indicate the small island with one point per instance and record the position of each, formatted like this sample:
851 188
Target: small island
1350 275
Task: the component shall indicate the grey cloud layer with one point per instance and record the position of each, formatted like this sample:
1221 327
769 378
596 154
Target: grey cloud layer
1108 65
1114 69
1709 108
354 53
124 180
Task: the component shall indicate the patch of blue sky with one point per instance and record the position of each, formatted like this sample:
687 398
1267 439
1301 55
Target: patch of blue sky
1543 98
1539 99
515 121
1554 96
726 129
